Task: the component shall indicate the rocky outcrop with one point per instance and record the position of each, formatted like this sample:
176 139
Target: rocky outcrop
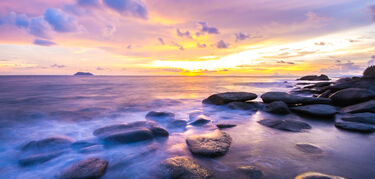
277 107
244 106
211 144
316 175
314 78
368 106
185 168
250 171
353 126
225 125
89 168
309 148
360 117
198 119
285 125
83 74
351 96
270 97
160 117
225 98
318 110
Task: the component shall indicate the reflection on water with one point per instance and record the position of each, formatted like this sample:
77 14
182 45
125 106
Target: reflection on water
33 108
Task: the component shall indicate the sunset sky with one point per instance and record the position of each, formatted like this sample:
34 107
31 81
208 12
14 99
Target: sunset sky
186 37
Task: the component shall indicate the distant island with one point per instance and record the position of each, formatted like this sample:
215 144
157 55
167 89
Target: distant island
83 74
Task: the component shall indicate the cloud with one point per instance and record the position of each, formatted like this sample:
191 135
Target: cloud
22 21
222 44
183 34
241 36
100 68
206 29
180 47
58 66
320 43
282 61
161 40
128 7
201 45
38 27
88 3
60 21
372 61
129 47
109 30
42 42
372 11
343 68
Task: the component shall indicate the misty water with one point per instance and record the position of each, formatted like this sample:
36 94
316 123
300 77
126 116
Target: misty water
38 107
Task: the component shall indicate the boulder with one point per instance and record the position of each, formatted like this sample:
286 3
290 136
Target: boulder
200 122
309 148
319 110
314 78
89 168
277 107
225 98
211 144
351 96
285 125
225 125
185 168
368 106
270 97
48 144
160 117
198 119
353 126
243 106
250 171
316 175
130 132
360 117
38 158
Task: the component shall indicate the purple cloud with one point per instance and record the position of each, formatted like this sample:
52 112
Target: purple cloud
58 66
38 27
128 6
222 44
22 21
180 47
201 45
206 29
42 42
285 62
60 21
372 10
241 36
161 40
88 3
320 43
183 34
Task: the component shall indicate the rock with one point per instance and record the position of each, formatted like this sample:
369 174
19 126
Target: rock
211 144
309 148
89 168
325 94
198 119
351 96
38 158
225 98
277 107
319 110
185 168
368 106
270 97
224 126
82 144
83 74
316 175
243 106
200 122
314 78
91 149
285 125
130 132
49 144
353 126
360 117
251 171
160 117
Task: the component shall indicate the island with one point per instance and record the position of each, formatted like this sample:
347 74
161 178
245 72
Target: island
83 74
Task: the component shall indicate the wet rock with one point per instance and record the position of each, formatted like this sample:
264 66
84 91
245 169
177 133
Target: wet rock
353 126
49 144
309 148
83 144
130 132
285 125
243 106
89 168
368 106
325 94
225 98
351 96
211 144
38 158
292 99
316 175
225 125
185 168
251 171
314 78
91 149
360 117
277 107
200 122
198 119
160 117
320 110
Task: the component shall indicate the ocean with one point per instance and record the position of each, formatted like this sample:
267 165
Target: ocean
38 107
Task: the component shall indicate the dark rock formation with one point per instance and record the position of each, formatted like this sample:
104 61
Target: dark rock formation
368 106
244 106
360 117
185 168
83 74
225 125
285 125
353 126
292 99
250 171
319 110
277 107
309 148
351 96
210 144
225 98
160 117
89 168
314 78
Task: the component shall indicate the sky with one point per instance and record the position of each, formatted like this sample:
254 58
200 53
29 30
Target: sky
186 37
